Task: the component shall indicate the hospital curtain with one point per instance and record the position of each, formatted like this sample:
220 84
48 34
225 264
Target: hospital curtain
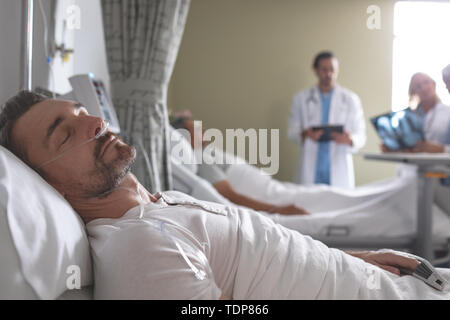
142 39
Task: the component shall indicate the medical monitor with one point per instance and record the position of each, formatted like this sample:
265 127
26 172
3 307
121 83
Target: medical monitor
90 91
399 130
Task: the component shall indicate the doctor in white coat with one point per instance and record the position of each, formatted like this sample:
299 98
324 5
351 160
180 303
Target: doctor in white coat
326 103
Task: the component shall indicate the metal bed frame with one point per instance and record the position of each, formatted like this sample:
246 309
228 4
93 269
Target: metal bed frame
429 168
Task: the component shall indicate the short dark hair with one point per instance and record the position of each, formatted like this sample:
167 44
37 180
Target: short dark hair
11 111
178 119
322 55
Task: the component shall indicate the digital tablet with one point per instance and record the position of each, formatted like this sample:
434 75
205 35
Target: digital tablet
327 130
399 130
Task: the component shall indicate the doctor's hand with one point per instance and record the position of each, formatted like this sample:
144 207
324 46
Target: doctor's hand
288 210
389 261
342 138
385 149
312 134
428 146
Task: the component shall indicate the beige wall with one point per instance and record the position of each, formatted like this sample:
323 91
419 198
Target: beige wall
241 62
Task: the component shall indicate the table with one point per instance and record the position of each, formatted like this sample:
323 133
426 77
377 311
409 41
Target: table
429 167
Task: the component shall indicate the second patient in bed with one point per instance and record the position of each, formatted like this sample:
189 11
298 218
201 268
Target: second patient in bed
215 174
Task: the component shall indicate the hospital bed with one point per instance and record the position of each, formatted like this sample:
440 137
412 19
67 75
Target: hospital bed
44 247
377 215
429 167
41 239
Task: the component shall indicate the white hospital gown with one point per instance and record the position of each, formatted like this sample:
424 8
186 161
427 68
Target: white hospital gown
243 254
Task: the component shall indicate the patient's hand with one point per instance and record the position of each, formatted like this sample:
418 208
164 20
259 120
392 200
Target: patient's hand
388 261
289 210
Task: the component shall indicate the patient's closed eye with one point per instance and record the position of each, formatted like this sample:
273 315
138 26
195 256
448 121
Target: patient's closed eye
67 137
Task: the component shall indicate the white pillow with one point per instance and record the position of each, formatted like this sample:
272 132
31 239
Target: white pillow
41 236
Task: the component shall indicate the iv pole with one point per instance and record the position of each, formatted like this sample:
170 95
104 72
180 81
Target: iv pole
27 44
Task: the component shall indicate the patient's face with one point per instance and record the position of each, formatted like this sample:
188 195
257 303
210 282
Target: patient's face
52 127
196 134
424 87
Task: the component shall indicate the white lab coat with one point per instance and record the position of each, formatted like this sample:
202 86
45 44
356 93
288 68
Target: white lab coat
346 110
437 125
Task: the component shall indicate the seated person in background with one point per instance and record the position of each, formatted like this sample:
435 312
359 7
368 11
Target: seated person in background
172 246
215 174
436 125
435 115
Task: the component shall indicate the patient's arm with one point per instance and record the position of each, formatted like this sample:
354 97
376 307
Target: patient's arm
225 189
386 260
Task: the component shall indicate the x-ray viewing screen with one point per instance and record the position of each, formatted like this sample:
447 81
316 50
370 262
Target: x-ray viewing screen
399 130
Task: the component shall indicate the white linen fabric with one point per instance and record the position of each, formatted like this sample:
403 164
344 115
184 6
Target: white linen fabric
84 293
41 235
181 149
13 284
185 168
187 182
248 256
385 208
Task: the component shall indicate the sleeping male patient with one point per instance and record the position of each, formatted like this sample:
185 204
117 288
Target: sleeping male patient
178 247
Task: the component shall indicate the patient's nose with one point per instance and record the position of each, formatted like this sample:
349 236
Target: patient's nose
96 125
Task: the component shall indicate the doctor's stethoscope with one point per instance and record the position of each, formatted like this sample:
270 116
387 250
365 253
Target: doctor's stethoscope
312 100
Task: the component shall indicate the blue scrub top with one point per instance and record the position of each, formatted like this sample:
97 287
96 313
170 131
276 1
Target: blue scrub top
322 175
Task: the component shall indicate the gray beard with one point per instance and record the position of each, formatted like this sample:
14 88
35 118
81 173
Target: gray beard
107 176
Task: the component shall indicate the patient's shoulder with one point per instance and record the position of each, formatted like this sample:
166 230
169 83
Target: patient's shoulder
177 195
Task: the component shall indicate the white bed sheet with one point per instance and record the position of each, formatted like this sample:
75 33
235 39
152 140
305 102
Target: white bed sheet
385 208
262 259
85 293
